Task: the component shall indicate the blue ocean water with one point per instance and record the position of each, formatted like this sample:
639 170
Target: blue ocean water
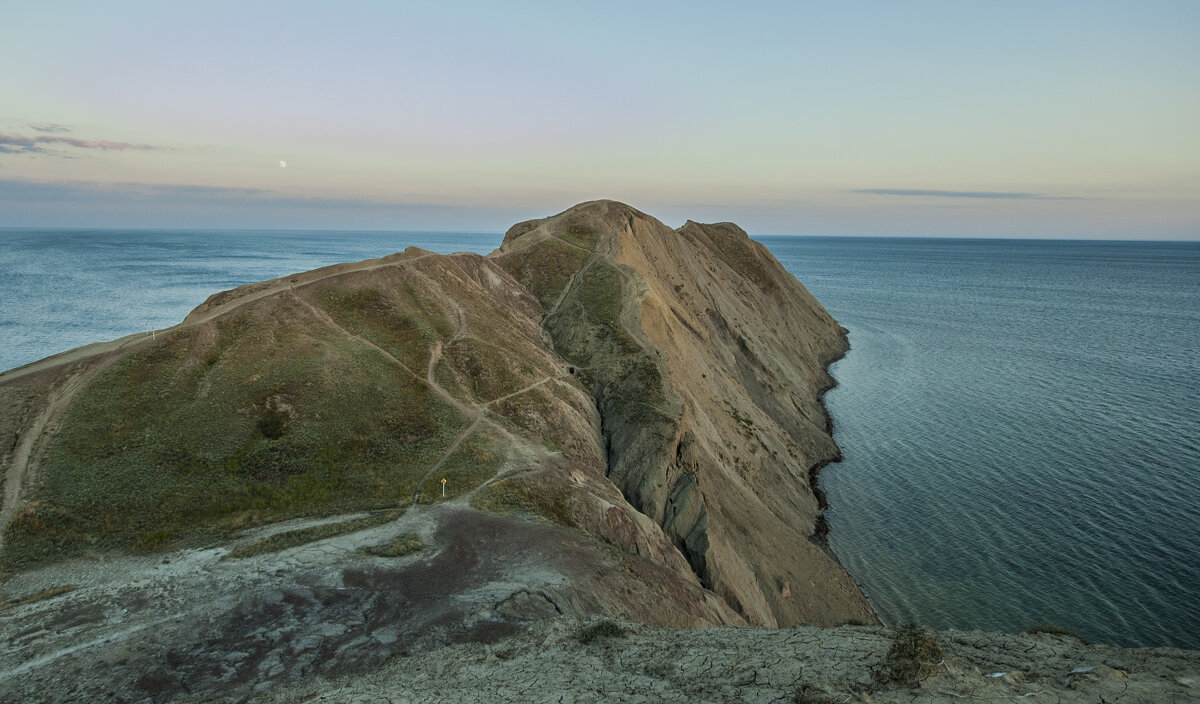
1020 419
1021 429
60 289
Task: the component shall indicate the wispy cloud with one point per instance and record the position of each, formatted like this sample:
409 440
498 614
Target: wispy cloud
20 144
52 127
1009 195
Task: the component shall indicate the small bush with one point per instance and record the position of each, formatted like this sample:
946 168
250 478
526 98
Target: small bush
599 630
914 656
401 545
272 425
1053 629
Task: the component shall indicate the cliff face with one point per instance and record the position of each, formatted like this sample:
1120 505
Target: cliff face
626 418
706 360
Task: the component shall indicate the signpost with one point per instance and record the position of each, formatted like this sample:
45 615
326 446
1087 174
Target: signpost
443 487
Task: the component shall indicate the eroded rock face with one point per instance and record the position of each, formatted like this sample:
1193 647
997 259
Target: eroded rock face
707 361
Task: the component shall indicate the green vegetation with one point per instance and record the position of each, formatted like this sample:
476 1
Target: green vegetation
400 321
1054 629
580 235
401 545
272 418
154 540
525 495
599 290
545 268
914 656
40 596
485 372
475 461
293 538
600 630
526 414
745 426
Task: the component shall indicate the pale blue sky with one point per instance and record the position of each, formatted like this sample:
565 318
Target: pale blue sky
1068 119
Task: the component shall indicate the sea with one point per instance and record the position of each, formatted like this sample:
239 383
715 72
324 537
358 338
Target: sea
1020 419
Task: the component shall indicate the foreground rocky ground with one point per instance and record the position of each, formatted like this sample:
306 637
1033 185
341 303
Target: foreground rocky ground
549 663
488 609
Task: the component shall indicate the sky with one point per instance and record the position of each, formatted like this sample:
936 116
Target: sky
970 119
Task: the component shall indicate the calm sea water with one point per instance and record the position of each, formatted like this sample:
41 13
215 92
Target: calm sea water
1020 419
60 289
1021 427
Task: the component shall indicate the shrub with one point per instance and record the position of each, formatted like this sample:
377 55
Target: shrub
914 656
599 630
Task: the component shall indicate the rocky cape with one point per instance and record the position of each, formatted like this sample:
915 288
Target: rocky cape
626 417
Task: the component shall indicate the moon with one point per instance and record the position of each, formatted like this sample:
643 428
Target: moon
282 164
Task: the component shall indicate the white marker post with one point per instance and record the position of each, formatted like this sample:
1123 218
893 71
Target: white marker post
443 488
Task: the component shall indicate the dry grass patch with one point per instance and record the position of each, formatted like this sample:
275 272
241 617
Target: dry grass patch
401 545
522 495
40 596
293 538
913 657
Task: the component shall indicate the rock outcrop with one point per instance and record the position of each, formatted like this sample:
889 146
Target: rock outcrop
706 360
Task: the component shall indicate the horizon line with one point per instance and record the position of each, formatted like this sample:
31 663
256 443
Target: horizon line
498 233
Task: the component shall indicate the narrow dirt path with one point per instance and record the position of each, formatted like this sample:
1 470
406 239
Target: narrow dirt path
328 320
32 444
521 391
449 451
435 356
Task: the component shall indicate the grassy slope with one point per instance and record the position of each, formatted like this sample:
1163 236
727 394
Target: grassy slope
273 416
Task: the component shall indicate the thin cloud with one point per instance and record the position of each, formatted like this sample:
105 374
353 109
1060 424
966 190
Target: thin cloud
1003 195
52 127
19 144
77 191
10 149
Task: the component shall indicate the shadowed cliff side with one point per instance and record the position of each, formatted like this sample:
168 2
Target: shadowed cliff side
706 360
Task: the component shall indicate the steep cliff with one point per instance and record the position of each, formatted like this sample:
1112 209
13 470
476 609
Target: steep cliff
706 360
